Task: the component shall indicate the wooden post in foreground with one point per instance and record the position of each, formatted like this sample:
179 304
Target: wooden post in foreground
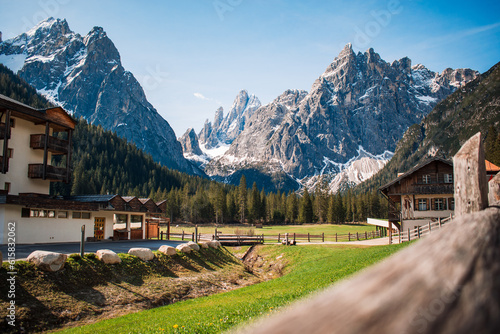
447 283
469 173
494 190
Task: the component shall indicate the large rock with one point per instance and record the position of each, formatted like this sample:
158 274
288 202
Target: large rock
214 244
167 250
204 244
108 256
194 246
184 248
145 254
48 261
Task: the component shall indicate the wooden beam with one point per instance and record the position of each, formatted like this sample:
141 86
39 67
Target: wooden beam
45 150
469 169
5 160
68 156
445 283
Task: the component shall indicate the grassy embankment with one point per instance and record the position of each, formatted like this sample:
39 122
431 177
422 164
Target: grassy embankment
308 269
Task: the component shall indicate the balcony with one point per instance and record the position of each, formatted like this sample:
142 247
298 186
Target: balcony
54 145
433 188
6 166
2 131
35 171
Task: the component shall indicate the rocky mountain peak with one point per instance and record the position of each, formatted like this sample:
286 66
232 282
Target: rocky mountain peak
189 143
85 76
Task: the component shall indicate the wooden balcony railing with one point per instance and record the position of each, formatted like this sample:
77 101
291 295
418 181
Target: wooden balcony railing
443 188
35 171
54 145
2 132
6 165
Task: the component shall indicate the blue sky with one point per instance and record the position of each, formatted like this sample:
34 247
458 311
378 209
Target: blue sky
191 56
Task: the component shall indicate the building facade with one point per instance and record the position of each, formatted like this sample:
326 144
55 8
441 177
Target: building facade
29 138
423 194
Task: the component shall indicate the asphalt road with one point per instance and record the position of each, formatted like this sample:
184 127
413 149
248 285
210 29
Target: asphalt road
22 251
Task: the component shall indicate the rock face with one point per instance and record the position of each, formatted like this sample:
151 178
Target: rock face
108 256
359 107
167 250
85 76
189 143
145 254
48 261
224 130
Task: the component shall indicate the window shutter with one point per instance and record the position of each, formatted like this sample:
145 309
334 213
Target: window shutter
433 204
416 205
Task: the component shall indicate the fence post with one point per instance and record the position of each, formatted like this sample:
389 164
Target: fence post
418 231
429 227
196 234
349 236
294 239
192 236
279 237
366 236
308 237
161 235
357 236
439 222
182 235
399 236
323 236
262 237
469 170
409 234
82 242
335 236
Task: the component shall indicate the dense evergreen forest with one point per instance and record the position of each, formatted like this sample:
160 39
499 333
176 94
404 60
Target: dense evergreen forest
103 163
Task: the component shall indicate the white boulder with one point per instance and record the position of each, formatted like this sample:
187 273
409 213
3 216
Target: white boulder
214 244
48 261
184 248
145 254
167 250
204 244
108 256
194 246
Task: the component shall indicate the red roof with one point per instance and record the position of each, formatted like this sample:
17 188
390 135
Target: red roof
491 167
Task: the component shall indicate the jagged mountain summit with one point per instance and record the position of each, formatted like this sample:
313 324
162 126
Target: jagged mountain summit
84 75
357 109
225 130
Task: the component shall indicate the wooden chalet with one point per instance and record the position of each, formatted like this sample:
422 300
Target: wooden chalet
423 194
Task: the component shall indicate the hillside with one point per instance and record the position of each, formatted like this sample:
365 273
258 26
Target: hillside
472 108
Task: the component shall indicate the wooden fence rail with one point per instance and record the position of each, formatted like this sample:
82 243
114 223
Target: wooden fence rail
419 231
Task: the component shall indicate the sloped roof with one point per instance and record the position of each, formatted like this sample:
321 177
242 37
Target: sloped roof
91 198
492 168
413 170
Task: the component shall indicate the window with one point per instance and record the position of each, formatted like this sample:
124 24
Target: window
10 153
135 222
7 187
62 214
422 205
12 123
439 204
426 179
81 215
36 213
448 178
25 212
451 202
120 222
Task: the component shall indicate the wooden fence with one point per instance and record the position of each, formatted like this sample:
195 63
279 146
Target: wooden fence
252 239
419 231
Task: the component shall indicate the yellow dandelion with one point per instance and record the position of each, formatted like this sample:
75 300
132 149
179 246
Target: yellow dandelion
175 326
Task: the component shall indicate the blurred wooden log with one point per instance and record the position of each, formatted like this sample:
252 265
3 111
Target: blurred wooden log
448 282
494 190
469 171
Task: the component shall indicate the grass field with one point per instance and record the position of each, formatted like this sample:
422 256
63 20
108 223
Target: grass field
314 229
308 269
